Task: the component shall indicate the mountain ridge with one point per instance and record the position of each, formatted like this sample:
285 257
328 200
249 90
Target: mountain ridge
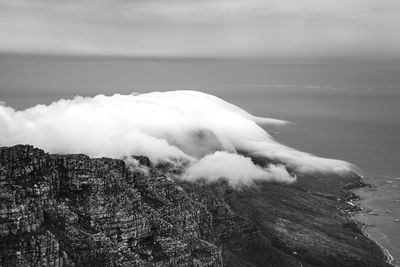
72 210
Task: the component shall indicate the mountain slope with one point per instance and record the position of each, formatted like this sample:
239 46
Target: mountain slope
71 210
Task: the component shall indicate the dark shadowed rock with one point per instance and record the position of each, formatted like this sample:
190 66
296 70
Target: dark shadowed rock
71 210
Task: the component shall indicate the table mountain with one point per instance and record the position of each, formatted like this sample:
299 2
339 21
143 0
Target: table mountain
72 210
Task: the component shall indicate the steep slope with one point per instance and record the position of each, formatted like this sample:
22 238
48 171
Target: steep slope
71 210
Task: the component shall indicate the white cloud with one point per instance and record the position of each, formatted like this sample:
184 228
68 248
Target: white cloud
236 169
176 125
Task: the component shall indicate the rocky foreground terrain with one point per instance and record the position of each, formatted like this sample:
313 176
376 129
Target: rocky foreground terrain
71 210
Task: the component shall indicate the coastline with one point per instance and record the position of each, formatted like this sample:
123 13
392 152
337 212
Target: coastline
360 216
389 257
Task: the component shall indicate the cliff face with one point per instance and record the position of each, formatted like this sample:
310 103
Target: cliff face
71 210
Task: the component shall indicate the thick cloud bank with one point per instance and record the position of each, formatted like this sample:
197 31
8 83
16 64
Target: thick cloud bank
176 125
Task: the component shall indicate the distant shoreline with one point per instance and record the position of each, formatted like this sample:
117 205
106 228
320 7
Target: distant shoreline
388 257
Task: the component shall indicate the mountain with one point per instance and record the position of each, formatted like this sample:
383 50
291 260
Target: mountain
72 210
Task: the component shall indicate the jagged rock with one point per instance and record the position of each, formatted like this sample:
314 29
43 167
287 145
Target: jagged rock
74 210
71 210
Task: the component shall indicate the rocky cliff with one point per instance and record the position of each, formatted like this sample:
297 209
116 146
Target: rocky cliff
71 210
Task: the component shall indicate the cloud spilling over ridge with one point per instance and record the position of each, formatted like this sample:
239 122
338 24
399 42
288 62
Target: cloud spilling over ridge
238 169
177 125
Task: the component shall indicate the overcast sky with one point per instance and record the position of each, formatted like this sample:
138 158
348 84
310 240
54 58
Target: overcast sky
201 27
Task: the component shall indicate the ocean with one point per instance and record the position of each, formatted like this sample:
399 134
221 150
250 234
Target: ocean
340 108
372 144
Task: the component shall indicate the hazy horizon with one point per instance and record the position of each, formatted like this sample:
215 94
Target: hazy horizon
211 28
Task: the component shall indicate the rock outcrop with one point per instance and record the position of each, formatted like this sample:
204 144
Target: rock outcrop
71 210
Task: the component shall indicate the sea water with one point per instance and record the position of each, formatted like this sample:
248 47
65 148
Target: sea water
338 108
372 144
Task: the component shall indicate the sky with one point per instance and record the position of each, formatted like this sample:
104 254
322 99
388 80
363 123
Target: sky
207 28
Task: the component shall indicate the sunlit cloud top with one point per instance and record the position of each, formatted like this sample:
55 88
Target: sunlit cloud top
201 28
217 139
